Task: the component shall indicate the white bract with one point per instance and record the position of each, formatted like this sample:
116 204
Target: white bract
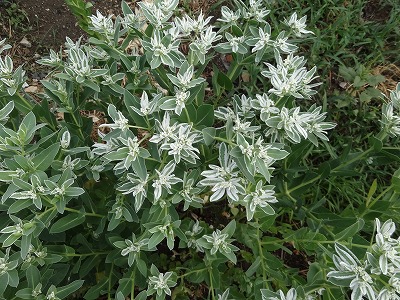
165 179
224 179
298 25
102 24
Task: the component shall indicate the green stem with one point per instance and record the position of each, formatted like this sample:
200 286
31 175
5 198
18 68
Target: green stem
133 283
224 140
211 284
77 125
316 242
191 272
139 127
260 254
147 135
372 203
85 213
288 192
45 212
25 102
70 209
341 166
109 282
311 216
80 255
187 114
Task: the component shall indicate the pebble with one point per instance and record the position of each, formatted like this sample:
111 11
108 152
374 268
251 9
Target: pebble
31 89
25 42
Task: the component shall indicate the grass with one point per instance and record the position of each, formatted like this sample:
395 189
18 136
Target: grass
361 35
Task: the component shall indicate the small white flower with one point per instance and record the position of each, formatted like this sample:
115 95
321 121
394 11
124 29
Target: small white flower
218 240
166 179
65 139
228 16
102 24
161 283
298 25
166 131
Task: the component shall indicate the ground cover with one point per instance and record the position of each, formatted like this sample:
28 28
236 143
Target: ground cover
330 193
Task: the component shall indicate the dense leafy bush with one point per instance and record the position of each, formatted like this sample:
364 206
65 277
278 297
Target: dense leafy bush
153 165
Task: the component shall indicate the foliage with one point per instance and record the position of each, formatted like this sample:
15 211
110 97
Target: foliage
196 175
14 17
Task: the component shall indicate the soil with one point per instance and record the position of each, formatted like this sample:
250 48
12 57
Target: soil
376 11
33 27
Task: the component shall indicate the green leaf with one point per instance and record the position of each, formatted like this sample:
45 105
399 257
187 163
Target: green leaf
376 143
70 221
155 239
25 245
358 82
13 278
374 80
198 275
350 231
19 205
205 115
224 81
254 267
141 296
230 228
24 293
209 135
7 176
10 240
231 256
371 191
215 277
63 292
6 110
3 283
120 295
32 276
142 267
44 159
29 122
88 265
396 181
139 166
91 85
94 292
130 100
189 115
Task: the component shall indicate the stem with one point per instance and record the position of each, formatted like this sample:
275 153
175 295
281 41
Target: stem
147 135
133 283
288 192
316 242
85 213
260 254
77 125
25 102
109 282
211 284
187 114
45 212
224 140
342 165
377 198
138 127
310 215
80 255
191 272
